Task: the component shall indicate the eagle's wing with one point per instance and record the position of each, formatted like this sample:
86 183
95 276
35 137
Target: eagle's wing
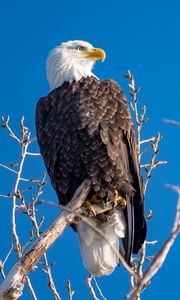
56 126
135 203
121 127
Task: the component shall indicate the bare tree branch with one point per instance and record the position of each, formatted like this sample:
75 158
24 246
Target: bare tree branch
153 164
140 120
12 286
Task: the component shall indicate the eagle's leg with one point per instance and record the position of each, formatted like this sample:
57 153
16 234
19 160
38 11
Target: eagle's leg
89 208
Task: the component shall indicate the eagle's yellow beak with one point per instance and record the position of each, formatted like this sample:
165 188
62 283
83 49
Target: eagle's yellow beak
96 53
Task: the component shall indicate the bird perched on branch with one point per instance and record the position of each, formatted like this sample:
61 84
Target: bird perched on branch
85 131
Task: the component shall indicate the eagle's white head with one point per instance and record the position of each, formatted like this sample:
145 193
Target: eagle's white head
71 61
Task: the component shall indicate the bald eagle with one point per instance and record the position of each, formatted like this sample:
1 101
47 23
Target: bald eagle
85 131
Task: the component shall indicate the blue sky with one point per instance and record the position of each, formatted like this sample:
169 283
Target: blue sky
137 35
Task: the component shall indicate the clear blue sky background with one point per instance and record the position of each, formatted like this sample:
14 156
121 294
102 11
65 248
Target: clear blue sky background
142 36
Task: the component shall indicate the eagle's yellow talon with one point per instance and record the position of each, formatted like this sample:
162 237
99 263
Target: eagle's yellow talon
116 198
89 209
123 203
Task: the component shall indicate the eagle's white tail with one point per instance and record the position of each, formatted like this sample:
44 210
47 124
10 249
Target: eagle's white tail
99 252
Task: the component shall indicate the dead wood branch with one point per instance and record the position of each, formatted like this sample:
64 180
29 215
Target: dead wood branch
12 286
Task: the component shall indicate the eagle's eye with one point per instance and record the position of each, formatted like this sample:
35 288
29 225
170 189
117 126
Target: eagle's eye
80 48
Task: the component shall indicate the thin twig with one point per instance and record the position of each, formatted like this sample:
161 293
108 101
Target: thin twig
151 242
147 140
13 213
153 164
141 260
70 292
133 94
90 287
28 180
139 119
159 162
7 168
29 285
98 288
6 125
50 279
33 154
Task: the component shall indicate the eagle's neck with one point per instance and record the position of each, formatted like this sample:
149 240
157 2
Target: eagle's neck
61 69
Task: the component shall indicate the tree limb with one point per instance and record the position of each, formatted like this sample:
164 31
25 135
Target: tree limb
12 286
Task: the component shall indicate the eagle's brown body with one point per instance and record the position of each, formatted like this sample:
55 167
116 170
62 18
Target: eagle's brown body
85 130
